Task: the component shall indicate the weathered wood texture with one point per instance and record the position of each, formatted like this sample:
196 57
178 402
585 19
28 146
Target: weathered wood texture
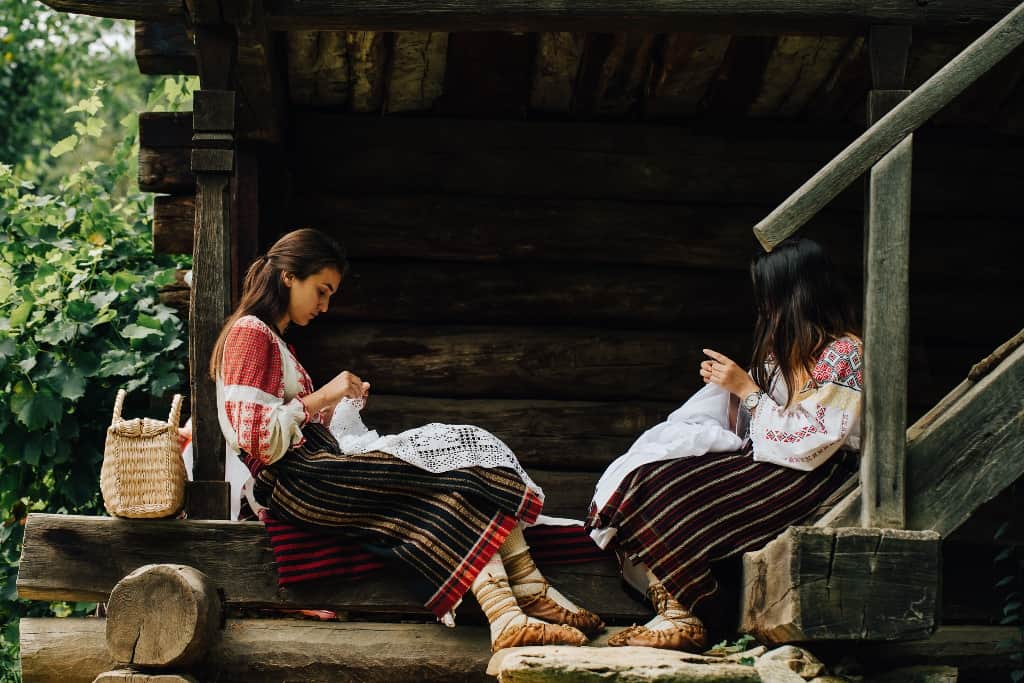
487 74
614 70
796 70
259 74
132 676
555 70
565 435
174 220
522 362
860 155
164 616
318 67
237 558
963 456
417 68
837 584
886 329
538 160
164 48
278 650
562 664
681 81
664 15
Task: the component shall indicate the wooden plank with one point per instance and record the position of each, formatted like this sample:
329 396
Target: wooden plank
367 56
164 47
237 558
889 47
556 67
688 66
964 457
173 223
623 297
738 81
878 140
160 129
614 70
318 68
166 170
516 362
546 664
145 10
274 650
416 79
563 435
813 584
796 69
259 74
598 15
886 327
487 74
845 88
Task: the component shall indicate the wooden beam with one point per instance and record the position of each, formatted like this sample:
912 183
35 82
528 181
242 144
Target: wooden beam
796 70
657 16
517 362
318 68
487 74
164 47
886 296
213 165
963 456
614 71
259 75
273 650
812 584
547 664
555 70
877 141
688 66
174 220
237 558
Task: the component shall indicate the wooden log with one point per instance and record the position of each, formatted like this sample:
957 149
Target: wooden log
131 676
367 55
906 117
159 129
274 650
625 297
166 170
664 15
963 456
886 328
813 584
173 223
796 70
259 74
516 362
416 78
614 70
164 48
237 558
163 616
555 70
689 63
566 435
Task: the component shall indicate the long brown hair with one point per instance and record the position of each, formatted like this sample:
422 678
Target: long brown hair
302 253
802 306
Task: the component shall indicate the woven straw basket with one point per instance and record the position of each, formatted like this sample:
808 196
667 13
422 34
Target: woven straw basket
143 474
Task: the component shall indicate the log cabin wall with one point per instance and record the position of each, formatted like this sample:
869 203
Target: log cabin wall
545 229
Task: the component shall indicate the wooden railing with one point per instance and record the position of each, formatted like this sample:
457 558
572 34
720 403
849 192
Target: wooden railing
885 149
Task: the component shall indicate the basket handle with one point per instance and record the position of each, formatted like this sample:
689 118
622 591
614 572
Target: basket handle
118 404
175 415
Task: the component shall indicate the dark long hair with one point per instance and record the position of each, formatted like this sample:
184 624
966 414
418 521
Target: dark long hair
802 306
300 252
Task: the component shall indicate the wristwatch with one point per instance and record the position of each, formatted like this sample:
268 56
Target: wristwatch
751 401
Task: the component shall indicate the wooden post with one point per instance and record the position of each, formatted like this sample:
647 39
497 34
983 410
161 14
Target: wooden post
886 297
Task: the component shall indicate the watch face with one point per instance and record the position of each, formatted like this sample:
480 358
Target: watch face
752 400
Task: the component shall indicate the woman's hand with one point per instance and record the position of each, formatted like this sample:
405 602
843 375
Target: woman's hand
721 370
344 385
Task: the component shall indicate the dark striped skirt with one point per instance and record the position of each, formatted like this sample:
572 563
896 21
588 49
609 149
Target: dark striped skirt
679 516
445 526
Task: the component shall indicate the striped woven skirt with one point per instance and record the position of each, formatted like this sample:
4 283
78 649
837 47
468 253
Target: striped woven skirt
679 516
445 526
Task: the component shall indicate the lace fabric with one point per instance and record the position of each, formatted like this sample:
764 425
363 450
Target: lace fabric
434 447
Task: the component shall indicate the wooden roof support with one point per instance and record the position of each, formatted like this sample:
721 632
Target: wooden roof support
733 16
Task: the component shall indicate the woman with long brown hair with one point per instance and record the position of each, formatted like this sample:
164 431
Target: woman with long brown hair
446 501
772 445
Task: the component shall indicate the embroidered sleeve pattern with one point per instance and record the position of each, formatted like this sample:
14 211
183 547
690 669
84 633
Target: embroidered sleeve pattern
807 433
266 426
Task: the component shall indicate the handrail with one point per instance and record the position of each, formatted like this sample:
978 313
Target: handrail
861 154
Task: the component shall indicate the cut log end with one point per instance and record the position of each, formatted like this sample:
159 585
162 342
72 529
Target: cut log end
163 615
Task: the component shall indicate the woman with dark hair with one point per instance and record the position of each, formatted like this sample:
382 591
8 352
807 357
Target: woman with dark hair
773 445
448 501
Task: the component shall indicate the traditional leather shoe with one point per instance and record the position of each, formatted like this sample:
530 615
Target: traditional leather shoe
687 632
540 606
537 634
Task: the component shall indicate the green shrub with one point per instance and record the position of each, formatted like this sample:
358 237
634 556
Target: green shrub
79 317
